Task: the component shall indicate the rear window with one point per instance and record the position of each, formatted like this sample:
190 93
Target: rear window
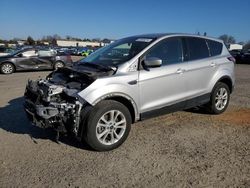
197 48
215 48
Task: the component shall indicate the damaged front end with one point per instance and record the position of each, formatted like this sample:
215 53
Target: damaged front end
53 102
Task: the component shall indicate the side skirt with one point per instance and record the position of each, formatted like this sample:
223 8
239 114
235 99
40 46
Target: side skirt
197 101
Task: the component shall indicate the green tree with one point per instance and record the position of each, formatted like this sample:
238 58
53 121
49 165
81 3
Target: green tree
106 40
247 45
30 41
54 42
57 37
228 39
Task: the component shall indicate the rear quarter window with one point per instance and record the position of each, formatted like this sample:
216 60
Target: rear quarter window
215 47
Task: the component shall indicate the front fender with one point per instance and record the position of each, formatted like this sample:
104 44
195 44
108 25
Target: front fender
110 87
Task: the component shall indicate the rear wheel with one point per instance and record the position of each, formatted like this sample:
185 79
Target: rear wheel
58 64
7 68
108 126
219 99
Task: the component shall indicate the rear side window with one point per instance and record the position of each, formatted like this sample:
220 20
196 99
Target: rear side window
215 48
197 48
46 53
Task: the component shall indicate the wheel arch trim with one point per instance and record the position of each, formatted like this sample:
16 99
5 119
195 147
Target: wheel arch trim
113 95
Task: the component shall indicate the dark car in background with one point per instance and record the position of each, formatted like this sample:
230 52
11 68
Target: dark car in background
245 57
241 56
236 54
34 59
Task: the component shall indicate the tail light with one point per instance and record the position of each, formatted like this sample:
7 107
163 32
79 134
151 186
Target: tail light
231 58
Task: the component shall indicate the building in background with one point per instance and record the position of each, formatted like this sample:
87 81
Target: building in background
235 47
66 43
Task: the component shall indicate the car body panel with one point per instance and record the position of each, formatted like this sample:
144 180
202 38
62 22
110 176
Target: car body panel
116 85
152 96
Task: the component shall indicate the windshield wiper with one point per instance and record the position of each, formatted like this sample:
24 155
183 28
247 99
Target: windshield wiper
99 66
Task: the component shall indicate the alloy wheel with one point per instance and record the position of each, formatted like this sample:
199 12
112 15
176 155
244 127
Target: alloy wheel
111 127
7 68
221 99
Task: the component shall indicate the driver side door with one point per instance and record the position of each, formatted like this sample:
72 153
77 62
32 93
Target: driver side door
25 60
165 85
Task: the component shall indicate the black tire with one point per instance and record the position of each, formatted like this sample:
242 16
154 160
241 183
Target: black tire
58 64
91 131
7 68
211 106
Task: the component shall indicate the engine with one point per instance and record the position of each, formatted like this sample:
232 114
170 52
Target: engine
50 105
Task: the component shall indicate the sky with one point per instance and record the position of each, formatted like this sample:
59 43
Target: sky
115 19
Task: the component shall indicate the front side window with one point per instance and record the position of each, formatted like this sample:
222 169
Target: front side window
197 48
119 51
169 51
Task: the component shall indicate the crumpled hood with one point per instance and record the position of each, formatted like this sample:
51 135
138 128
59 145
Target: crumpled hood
78 76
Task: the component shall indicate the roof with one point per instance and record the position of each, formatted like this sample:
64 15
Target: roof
161 35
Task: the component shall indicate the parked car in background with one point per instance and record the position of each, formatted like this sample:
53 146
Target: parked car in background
85 51
130 80
241 56
245 56
5 51
236 54
33 59
66 50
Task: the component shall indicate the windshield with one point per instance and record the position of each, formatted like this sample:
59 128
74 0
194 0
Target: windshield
118 52
15 52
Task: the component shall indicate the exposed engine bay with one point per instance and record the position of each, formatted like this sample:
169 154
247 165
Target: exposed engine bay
53 102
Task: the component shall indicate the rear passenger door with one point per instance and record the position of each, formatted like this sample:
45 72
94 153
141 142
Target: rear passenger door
201 67
25 59
45 59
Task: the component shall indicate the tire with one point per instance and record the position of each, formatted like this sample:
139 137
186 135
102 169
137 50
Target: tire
7 68
101 125
220 98
58 64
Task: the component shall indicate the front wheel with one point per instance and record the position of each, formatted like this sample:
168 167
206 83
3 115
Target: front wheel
219 99
7 68
108 125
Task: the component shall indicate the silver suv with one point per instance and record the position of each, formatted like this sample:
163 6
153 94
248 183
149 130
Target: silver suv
129 80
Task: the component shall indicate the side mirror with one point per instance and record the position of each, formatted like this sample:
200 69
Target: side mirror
152 62
20 55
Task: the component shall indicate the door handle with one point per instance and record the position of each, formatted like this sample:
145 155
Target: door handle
213 64
180 71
